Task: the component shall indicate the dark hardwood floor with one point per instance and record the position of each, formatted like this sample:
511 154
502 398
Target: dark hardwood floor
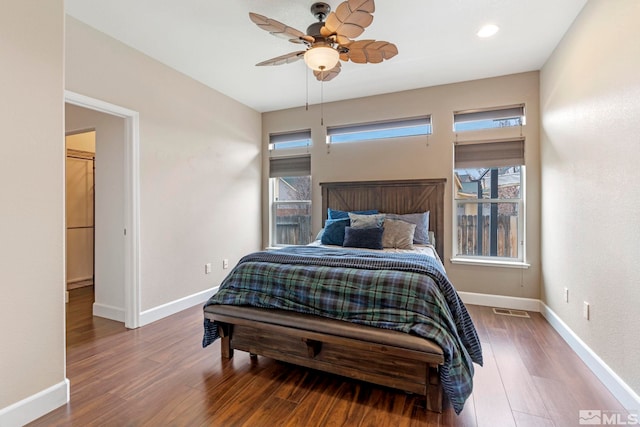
159 375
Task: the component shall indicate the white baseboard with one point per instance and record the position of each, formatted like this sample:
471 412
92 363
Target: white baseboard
620 390
41 403
35 406
500 301
108 312
173 307
79 279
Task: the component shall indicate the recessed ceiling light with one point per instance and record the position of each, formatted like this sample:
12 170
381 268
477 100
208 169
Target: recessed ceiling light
488 30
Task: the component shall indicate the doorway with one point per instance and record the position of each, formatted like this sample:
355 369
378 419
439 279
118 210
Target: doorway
121 301
80 206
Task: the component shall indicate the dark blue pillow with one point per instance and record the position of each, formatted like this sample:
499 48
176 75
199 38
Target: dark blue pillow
336 214
334 231
369 238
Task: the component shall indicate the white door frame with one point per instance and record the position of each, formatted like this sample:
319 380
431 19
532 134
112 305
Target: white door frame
131 199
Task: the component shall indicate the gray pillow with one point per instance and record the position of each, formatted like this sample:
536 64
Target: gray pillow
366 221
398 234
421 220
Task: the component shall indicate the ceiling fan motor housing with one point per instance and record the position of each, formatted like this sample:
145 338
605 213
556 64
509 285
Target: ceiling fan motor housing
320 10
313 30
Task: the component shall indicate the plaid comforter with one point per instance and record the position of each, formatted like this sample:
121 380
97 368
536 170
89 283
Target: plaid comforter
404 292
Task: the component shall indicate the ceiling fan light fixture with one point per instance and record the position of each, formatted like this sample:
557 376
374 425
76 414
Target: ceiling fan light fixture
321 58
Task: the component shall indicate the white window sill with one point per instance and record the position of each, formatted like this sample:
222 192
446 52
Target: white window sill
490 262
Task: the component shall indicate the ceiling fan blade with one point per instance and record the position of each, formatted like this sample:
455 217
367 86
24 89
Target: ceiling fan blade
342 40
283 59
279 29
370 51
365 5
325 76
308 40
350 18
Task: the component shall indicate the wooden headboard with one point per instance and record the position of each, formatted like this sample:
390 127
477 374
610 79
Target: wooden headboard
398 196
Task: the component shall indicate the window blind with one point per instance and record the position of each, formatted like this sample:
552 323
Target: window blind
489 154
375 126
289 166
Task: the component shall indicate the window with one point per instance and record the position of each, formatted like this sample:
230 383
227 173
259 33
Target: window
489 201
379 130
290 181
488 119
288 140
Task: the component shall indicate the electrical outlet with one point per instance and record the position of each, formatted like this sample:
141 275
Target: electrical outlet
585 310
207 268
566 294
225 263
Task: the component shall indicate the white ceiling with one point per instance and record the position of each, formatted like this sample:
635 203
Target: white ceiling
214 42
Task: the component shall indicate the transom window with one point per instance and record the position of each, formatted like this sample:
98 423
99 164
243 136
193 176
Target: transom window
288 140
380 130
489 118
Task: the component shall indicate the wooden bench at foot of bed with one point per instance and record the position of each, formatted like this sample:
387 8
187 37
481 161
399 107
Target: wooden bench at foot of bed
389 358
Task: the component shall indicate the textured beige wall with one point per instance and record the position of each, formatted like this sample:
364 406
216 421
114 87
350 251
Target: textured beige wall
200 168
590 148
418 157
32 280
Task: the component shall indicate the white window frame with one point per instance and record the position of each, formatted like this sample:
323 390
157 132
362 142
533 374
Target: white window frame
362 131
496 261
273 206
301 136
494 114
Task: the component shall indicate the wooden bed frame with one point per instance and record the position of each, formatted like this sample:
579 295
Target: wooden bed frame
400 197
379 356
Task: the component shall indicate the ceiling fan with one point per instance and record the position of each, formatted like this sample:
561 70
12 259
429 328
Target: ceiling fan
328 41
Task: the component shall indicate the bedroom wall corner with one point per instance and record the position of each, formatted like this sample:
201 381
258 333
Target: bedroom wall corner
32 232
590 102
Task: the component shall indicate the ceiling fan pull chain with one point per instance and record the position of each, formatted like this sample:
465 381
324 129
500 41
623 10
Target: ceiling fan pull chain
322 99
306 105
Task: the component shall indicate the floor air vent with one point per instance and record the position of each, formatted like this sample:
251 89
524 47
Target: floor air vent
508 312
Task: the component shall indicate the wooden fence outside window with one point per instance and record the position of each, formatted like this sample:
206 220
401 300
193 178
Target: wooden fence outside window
468 236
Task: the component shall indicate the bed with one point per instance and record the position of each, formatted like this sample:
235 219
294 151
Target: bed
392 319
